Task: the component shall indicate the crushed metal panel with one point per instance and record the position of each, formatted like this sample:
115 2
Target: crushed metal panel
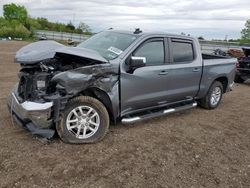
82 52
74 81
37 51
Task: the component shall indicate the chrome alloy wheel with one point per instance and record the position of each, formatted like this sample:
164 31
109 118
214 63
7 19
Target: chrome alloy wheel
215 96
83 122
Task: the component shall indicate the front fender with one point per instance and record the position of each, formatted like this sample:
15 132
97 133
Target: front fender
102 78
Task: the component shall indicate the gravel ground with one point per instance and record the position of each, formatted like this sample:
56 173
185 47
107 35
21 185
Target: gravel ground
195 148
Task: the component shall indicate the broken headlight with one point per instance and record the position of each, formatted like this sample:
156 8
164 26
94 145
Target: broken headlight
46 68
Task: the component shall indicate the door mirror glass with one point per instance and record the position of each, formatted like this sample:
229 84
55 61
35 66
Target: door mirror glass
136 62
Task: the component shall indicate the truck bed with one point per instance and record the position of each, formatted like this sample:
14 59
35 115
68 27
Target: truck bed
212 56
220 66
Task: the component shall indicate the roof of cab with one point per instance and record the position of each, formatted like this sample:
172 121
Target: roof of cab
151 33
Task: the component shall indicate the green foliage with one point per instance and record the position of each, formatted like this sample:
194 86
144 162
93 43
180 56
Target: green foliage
245 33
240 41
44 23
13 29
17 24
70 26
3 22
245 41
15 12
33 24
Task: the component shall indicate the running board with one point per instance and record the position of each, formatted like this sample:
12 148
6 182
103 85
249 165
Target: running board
127 120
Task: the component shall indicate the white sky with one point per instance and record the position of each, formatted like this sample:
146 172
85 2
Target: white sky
209 18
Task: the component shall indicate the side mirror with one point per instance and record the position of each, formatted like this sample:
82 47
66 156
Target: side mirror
136 62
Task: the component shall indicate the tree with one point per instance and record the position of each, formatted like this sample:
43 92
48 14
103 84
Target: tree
201 38
15 12
70 26
3 22
245 33
44 23
84 27
33 24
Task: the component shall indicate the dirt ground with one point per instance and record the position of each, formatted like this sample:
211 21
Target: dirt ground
195 148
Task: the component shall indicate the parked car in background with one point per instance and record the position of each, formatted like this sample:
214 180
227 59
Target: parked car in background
43 37
243 67
113 76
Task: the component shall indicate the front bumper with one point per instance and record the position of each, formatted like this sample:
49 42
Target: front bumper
33 115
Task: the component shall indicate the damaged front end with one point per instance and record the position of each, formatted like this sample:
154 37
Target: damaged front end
50 75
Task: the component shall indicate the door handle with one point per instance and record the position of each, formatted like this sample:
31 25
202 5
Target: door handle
196 69
163 72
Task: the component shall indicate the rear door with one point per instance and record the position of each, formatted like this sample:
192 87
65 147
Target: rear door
185 70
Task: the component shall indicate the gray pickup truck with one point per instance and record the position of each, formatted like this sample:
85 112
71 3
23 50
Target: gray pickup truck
113 76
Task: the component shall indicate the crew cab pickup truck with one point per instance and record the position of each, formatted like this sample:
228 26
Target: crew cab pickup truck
113 76
243 67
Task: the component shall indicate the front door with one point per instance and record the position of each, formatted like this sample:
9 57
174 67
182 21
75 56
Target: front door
144 87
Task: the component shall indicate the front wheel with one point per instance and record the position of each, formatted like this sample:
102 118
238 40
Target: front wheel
213 97
84 120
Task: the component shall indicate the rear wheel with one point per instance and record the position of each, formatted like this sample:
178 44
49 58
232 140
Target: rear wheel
85 120
213 97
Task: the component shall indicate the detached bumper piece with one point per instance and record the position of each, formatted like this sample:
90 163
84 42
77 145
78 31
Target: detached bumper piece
32 115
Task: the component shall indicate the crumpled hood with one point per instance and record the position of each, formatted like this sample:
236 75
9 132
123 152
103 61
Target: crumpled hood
41 50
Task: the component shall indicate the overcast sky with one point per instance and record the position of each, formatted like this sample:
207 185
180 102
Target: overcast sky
209 18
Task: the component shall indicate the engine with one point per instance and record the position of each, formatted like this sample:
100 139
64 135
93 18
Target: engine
34 81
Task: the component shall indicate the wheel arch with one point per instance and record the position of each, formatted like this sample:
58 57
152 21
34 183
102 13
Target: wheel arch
103 97
224 81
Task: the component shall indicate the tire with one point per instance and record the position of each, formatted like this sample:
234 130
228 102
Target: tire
76 124
213 96
239 79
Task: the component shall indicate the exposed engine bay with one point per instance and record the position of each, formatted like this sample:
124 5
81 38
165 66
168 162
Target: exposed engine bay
35 79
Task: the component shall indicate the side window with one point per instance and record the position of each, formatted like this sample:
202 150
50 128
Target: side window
153 51
182 51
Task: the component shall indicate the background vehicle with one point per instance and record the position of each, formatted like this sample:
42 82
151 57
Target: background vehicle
113 76
243 67
43 37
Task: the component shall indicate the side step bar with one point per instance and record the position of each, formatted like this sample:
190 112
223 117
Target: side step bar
127 120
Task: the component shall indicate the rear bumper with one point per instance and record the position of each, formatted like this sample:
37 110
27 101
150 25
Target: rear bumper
33 115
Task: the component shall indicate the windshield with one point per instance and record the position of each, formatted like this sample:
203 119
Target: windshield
109 44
